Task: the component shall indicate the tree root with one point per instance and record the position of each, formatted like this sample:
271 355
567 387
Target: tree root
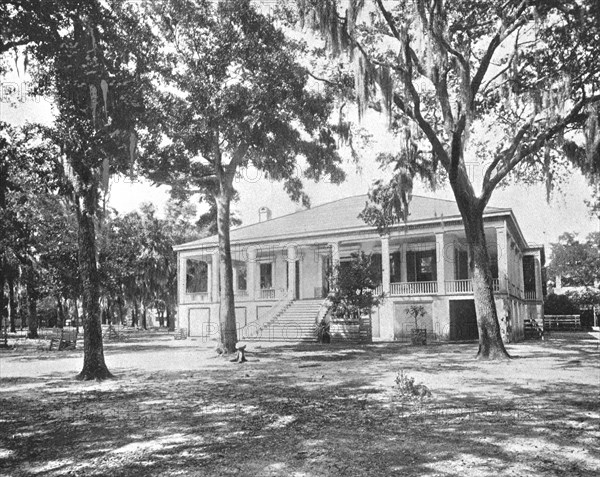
98 375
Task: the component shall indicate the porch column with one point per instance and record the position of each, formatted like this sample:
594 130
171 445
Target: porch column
502 252
521 274
181 278
335 260
440 260
538 277
291 264
385 263
251 273
215 296
403 267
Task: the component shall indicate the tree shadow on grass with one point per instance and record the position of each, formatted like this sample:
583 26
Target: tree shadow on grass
269 420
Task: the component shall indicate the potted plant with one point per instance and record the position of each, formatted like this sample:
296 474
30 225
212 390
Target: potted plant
418 335
353 295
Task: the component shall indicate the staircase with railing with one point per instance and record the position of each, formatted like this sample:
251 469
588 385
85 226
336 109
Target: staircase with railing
295 322
256 329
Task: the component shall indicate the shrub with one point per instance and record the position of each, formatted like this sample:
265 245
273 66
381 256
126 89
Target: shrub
407 389
560 305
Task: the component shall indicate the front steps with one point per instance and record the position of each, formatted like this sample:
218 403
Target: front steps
295 324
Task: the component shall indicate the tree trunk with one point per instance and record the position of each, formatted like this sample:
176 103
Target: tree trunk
491 346
3 299
170 319
144 322
76 304
94 366
12 304
134 313
227 308
3 311
21 306
120 302
60 313
32 320
161 314
109 311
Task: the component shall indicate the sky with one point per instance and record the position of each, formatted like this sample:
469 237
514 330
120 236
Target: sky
541 222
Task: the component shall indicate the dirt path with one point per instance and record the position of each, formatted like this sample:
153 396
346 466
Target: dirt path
305 410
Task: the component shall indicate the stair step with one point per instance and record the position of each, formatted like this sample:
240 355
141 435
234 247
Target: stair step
294 323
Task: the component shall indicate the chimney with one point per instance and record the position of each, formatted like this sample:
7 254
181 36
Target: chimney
264 214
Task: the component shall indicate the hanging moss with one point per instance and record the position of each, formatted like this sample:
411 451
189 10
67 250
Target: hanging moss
592 137
362 80
386 86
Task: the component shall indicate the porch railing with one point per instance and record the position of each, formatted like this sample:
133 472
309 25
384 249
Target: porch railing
530 296
267 294
241 293
413 288
459 286
198 297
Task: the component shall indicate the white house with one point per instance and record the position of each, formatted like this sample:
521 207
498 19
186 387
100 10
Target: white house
281 264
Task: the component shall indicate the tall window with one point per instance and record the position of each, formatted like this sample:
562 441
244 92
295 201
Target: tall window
421 266
529 273
395 276
196 276
266 276
242 281
376 267
461 264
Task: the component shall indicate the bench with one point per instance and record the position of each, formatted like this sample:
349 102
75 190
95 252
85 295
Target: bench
562 322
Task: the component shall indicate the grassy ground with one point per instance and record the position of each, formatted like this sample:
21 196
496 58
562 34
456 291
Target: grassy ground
303 410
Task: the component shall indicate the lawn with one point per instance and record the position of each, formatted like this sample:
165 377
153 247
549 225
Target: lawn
303 410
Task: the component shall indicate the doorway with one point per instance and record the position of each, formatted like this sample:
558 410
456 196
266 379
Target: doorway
463 320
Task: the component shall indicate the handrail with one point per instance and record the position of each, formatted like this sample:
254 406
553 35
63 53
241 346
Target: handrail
323 309
265 320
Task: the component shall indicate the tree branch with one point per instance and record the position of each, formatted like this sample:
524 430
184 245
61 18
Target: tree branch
513 160
4 47
416 112
504 31
324 80
389 20
237 158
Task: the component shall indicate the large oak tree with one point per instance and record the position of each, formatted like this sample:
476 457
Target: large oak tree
238 98
513 85
99 74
